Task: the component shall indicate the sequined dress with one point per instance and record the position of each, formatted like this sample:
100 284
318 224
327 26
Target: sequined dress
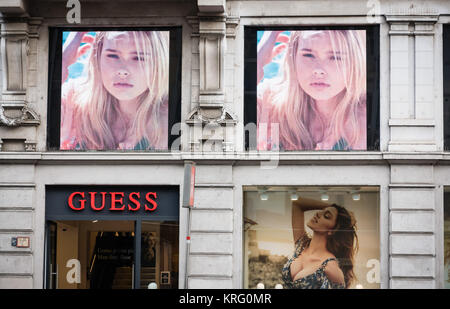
316 280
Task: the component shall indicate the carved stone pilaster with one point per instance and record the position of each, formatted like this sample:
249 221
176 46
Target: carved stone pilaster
211 129
211 122
15 36
412 81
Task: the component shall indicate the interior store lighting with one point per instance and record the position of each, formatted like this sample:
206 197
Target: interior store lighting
263 195
294 195
324 196
356 196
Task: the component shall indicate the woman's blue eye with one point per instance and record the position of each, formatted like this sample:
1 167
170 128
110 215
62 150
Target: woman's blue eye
139 58
112 56
308 55
335 58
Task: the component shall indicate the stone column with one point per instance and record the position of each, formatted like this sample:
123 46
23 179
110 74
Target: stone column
412 203
18 37
210 259
18 50
412 100
413 195
209 117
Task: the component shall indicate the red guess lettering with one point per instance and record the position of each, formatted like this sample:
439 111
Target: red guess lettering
134 201
93 206
153 202
82 201
118 200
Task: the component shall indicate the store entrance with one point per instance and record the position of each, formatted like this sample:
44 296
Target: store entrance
112 254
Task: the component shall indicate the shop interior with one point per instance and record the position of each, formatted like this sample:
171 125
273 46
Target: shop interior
102 254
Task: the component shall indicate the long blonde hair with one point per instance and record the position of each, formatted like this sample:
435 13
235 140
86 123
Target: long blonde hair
293 107
96 109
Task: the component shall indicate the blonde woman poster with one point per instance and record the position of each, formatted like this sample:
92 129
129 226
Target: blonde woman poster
115 90
311 92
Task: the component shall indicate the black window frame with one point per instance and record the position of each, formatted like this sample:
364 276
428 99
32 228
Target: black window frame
446 85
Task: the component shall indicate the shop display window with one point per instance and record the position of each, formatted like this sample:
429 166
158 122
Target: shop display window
114 89
310 237
311 88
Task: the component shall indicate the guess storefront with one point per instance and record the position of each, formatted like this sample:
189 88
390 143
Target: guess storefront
112 237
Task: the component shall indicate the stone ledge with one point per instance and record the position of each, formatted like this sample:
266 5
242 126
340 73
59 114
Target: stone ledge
13 7
307 157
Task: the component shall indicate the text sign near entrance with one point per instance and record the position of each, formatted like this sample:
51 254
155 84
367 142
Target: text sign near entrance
88 202
114 201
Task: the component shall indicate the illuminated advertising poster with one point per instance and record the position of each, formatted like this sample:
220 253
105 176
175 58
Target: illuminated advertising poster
311 239
311 92
115 90
447 238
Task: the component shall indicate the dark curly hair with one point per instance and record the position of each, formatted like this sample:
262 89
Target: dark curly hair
343 242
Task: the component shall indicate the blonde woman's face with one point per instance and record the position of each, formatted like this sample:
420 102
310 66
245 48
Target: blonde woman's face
121 67
318 67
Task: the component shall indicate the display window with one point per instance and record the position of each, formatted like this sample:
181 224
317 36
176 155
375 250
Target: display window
110 88
112 238
311 238
312 88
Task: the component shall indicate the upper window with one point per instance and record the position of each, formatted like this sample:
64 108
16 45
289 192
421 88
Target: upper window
447 87
111 89
315 88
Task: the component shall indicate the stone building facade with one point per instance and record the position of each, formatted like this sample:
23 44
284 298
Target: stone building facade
411 167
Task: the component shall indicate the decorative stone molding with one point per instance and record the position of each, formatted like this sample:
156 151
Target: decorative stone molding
27 115
207 116
211 6
15 36
212 129
212 31
30 145
411 24
16 7
231 23
212 124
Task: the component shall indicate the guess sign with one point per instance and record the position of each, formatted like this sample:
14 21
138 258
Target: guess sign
113 201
